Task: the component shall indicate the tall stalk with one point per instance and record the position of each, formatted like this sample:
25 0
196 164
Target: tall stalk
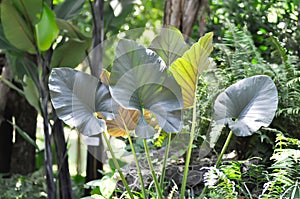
189 152
225 146
158 190
137 166
117 165
163 172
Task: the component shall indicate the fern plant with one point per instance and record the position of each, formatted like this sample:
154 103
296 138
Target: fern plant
284 178
237 57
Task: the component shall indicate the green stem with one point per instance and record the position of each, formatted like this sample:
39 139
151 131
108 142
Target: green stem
189 152
158 190
163 172
225 146
117 165
137 166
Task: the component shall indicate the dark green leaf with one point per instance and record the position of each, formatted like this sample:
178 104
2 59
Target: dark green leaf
77 96
4 43
70 53
30 9
69 30
138 82
16 30
69 9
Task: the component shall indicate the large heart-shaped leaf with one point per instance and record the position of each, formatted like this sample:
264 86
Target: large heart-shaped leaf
16 30
186 69
137 82
46 30
169 45
245 106
76 96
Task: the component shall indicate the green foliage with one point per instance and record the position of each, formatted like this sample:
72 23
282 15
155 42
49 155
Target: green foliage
220 184
284 177
262 18
21 187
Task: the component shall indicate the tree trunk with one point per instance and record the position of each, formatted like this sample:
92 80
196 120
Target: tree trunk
183 14
6 130
18 157
23 152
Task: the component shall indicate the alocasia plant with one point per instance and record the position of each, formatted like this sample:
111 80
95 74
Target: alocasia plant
245 107
77 96
139 81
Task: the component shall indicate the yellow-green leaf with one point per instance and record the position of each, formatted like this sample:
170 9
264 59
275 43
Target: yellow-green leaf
186 69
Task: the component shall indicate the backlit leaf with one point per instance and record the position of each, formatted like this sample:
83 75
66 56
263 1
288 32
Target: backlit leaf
186 69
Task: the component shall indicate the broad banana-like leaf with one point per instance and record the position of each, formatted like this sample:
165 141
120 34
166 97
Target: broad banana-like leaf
186 69
46 29
30 9
77 96
169 44
138 82
245 106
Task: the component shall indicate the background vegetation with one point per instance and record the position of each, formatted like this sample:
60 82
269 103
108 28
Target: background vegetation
250 38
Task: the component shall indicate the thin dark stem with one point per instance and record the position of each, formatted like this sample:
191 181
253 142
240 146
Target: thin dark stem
44 93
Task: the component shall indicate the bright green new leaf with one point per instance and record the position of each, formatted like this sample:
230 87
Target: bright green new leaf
16 30
77 96
186 69
138 82
169 45
46 30
30 9
71 53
